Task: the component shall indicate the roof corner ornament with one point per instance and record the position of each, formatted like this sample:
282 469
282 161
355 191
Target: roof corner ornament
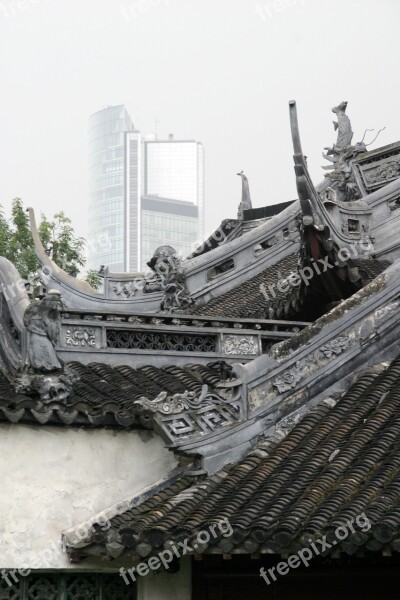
185 417
245 203
310 202
43 373
340 155
167 265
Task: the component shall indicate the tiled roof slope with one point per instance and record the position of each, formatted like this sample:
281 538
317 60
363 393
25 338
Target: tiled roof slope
248 299
339 461
104 395
370 268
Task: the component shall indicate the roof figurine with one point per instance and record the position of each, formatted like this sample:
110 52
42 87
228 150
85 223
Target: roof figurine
245 203
42 320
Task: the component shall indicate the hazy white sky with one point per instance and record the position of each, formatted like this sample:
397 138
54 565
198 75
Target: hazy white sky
218 71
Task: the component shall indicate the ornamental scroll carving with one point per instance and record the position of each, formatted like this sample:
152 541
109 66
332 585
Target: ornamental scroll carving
382 173
240 345
188 415
78 336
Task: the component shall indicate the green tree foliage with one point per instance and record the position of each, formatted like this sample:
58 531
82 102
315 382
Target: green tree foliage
57 236
21 250
5 234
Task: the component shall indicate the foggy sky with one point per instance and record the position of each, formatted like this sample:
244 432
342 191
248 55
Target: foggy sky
218 71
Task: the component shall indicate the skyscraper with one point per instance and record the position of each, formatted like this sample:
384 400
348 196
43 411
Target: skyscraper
173 195
109 131
142 194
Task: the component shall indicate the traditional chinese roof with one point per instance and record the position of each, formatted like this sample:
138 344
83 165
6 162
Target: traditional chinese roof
105 396
261 296
318 471
248 300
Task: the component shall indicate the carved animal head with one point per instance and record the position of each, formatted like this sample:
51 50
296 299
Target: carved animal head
341 108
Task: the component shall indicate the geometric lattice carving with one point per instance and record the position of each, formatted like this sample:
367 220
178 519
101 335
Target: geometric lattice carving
46 586
143 340
43 587
81 587
115 588
13 592
184 415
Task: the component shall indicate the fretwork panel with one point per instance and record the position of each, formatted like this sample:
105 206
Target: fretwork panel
62 586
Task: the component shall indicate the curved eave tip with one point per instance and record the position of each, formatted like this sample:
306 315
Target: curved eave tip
292 102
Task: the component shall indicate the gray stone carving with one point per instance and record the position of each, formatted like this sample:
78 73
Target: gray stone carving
126 290
42 320
245 203
336 346
79 336
188 415
43 375
49 387
382 173
289 379
381 313
341 153
394 204
240 345
167 264
343 127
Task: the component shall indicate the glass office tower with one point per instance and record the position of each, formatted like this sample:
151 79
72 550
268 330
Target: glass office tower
108 132
173 195
142 194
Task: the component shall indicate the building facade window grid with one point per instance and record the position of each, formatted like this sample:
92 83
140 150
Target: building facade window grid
122 170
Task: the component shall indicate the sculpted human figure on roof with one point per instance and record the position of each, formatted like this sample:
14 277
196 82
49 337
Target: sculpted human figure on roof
43 322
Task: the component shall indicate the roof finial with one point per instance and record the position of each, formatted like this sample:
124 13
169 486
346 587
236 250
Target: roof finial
245 203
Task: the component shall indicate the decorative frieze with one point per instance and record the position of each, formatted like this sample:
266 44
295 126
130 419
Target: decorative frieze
383 173
80 336
240 345
289 379
125 290
336 346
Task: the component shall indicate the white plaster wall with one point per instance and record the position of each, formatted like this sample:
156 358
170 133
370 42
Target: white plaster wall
53 478
168 586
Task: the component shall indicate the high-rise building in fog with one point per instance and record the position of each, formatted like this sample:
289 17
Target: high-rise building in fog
173 195
110 131
142 194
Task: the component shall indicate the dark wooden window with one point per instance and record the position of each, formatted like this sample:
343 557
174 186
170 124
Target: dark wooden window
372 577
66 586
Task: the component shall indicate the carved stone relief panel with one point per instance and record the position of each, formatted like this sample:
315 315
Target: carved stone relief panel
80 337
292 378
380 172
122 290
245 345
